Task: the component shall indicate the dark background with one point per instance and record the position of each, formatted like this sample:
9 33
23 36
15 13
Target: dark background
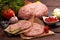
51 5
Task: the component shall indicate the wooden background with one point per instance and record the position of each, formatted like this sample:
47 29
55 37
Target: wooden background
51 5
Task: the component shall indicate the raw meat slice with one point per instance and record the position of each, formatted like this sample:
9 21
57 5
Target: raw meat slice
24 24
36 29
21 25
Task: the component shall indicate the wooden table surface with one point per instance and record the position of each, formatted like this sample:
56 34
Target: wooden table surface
51 5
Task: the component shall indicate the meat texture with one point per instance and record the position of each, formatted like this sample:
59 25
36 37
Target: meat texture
38 9
25 27
36 29
21 25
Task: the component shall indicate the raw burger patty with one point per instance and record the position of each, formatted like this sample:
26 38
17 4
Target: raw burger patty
36 29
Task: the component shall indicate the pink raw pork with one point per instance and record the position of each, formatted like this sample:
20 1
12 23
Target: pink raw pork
20 26
38 9
36 29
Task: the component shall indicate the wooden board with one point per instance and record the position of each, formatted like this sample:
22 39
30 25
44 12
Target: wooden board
36 20
44 34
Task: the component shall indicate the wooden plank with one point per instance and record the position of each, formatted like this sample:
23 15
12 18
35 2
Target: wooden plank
51 2
52 8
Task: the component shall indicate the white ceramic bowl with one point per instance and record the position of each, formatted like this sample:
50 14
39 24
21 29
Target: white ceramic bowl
50 22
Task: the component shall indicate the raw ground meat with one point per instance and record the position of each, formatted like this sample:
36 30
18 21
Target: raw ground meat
38 9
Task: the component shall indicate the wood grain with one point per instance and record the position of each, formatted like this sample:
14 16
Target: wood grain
51 2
